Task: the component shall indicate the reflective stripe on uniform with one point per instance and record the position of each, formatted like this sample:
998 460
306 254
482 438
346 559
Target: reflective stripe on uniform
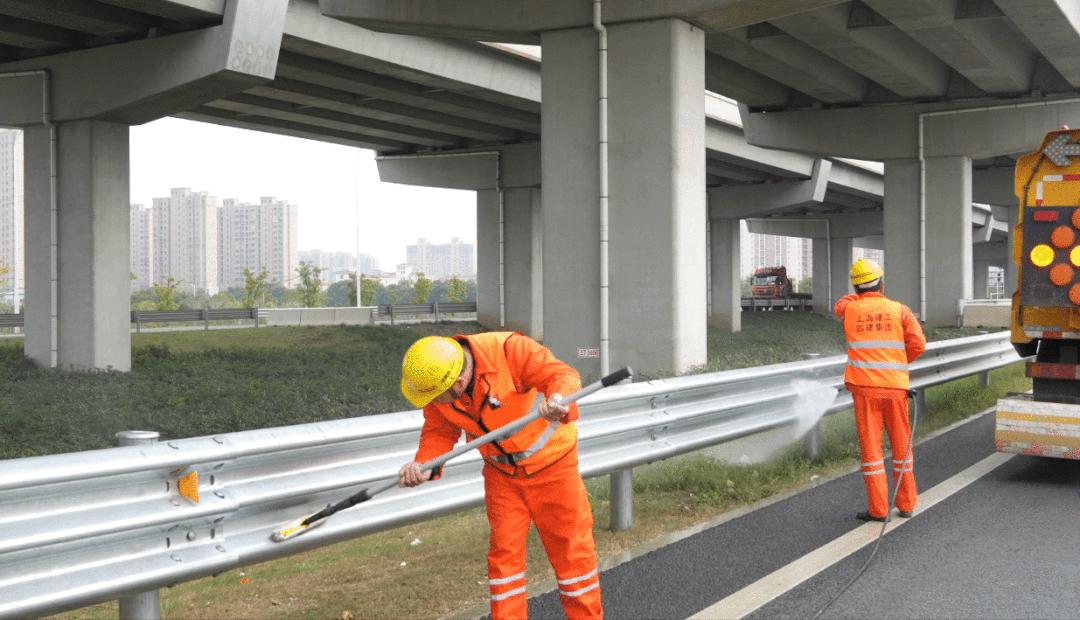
876 344
576 593
566 582
502 580
537 445
878 365
508 594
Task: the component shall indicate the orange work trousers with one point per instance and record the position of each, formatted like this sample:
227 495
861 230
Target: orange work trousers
554 498
875 407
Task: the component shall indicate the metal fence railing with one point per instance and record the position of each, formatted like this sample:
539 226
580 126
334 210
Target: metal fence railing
142 317
393 312
802 302
80 528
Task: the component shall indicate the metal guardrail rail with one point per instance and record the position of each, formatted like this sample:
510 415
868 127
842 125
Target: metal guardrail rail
81 528
139 317
801 302
394 311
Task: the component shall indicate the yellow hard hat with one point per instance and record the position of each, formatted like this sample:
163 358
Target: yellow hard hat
864 271
431 365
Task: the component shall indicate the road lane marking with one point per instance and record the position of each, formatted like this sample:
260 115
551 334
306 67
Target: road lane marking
782 580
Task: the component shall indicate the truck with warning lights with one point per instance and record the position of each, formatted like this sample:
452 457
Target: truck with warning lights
1046 303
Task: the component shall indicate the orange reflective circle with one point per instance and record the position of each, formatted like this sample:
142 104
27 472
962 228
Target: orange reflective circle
1076 218
1063 236
1074 255
1042 255
1074 294
1061 274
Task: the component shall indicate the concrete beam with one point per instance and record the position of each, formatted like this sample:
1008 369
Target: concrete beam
840 226
741 84
986 51
742 201
875 242
519 165
951 130
993 186
522 21
125 82
727 143
884 54
1053 26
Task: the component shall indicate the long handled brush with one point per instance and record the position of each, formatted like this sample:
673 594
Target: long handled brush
305 524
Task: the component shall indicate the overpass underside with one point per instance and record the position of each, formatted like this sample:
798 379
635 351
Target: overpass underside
945 94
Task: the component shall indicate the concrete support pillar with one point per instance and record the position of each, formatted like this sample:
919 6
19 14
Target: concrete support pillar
522 259
948 237
821 281
657 196
980 279
901 225
75 318
840 257
724 274
832 268
1010 262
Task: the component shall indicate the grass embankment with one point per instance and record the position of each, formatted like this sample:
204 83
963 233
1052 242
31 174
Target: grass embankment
385 576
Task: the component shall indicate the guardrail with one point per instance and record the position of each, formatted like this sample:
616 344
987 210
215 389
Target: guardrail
81 528
139 317
396 311
792 303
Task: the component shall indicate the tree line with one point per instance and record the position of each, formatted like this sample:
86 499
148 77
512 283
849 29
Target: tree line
259 292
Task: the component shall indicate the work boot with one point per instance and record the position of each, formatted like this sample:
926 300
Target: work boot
866 516
904 513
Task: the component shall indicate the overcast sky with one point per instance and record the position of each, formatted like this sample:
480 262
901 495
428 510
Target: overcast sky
322 179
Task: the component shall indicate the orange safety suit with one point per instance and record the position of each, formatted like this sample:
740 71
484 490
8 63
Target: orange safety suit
531 476
883 337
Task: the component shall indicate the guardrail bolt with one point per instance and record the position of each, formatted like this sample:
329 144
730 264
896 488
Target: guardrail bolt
144 605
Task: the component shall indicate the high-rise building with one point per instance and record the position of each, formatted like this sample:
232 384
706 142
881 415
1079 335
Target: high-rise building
186 239
794 253
11 218
142 246
258 236
337 266
442 261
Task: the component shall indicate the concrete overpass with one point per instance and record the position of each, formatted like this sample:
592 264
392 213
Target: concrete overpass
323 71
934 89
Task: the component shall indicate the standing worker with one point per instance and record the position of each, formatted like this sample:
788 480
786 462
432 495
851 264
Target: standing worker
883 337
478 383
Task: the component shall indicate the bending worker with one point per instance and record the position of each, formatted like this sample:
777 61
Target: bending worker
883 337
478 383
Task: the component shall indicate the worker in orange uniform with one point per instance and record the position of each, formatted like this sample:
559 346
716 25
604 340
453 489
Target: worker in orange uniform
883 337
478 383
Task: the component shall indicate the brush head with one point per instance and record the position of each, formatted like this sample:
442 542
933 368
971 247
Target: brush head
294 529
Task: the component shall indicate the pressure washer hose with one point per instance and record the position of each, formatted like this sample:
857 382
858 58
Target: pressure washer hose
888 516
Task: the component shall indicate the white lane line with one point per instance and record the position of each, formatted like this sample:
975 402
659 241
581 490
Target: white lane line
764 590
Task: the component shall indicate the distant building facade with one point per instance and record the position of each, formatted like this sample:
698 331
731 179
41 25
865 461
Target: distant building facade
142 246
256 237
442 261
186 239
338 266
12 283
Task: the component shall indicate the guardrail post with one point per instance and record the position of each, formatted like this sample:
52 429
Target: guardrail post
255 315
812 442
920 403
391 314
437 316
206 317
138 323
144 605
984 378
622 500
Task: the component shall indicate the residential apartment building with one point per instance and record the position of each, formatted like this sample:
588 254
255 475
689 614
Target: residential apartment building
757 250
258 236
11 218
142 246
185 239
338 266
442 261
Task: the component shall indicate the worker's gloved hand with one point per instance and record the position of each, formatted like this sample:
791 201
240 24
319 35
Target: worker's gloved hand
551 410
410 475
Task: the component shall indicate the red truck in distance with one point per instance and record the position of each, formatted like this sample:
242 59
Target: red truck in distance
770 283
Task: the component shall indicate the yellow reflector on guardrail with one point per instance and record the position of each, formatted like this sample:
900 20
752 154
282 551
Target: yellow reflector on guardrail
189 486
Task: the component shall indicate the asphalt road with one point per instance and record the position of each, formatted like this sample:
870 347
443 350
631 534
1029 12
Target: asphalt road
1006 546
